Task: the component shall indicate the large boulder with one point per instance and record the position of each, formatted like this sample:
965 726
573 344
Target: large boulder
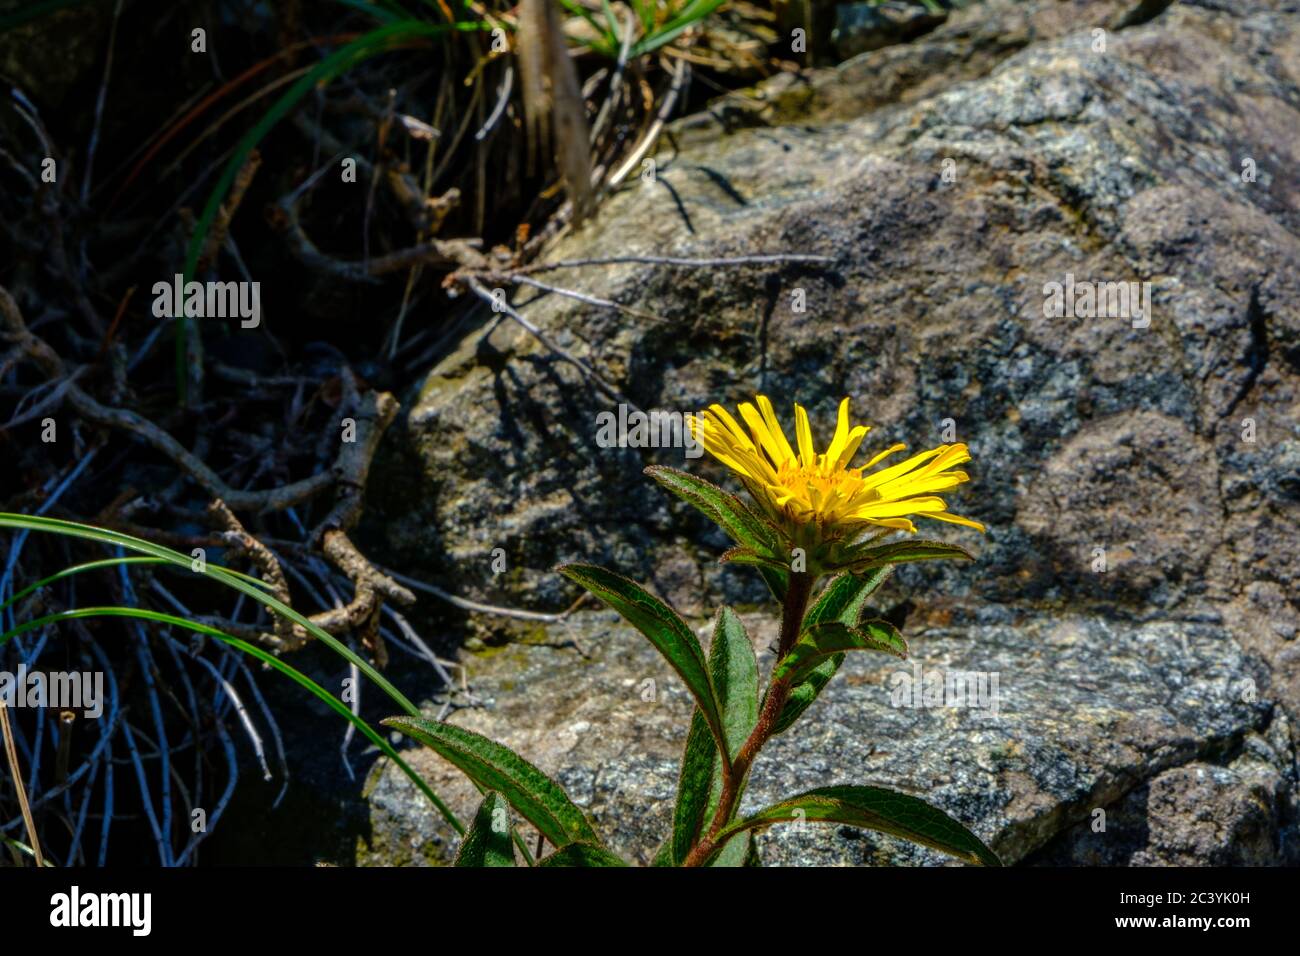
1139 473
1076 712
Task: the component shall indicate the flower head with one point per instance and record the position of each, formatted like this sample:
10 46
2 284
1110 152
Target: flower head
820 492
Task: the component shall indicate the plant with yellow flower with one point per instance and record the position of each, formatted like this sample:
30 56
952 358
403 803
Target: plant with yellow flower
818 517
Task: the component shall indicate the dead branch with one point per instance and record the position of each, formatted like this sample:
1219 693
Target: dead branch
44 357
286 636
447 253
221 225
541 337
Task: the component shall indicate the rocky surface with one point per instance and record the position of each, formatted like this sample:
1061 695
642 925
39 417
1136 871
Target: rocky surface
862 27
1141 482
1083 711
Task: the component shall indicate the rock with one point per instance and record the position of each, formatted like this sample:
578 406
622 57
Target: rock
1077 713
45 57
862 27
1241 814
952 181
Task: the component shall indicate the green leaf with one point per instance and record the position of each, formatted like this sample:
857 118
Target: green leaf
865 559
493 766
731 515
582 854
803 694
734 853
834 637
694 789
739 555
722 508
842 600
733 670
661 624
874 808
487 843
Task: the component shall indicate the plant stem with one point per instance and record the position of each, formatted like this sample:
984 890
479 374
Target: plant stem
733 783
12 754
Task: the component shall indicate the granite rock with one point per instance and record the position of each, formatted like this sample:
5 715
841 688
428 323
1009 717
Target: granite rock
1139 472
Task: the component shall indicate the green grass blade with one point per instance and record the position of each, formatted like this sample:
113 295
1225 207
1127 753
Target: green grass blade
690 15
270 660
230 578
107 563
76 569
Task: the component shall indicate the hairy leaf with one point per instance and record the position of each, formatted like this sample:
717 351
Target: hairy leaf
874 808
865 559
661 624
842 600
731 515
487 842
804 693
834 637
582 855
733 670
739 555
724 509
492 766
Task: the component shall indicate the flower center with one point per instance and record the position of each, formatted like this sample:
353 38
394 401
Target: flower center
817 485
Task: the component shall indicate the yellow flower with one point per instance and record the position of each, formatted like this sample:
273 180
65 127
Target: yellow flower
808 489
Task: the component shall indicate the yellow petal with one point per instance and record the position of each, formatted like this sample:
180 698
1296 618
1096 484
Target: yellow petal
762 437
729 423
958 519
888 474
850 448
841 433
909 485
774 428
804 434
892 449
891 509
